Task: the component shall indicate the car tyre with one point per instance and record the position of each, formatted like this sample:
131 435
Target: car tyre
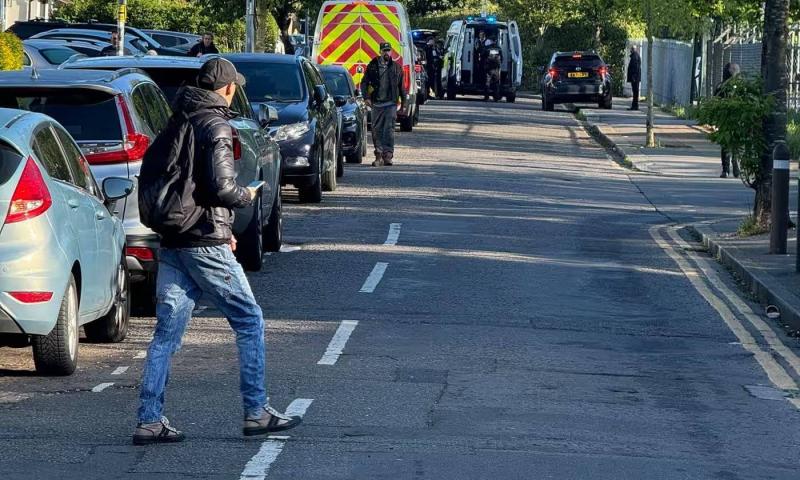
407 123
113 326
607 103
143 297
313 193
511 97
339 164
451 89
273 231
329 178
57 352
250 247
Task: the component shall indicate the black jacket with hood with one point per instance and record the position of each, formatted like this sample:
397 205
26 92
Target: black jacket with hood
216 190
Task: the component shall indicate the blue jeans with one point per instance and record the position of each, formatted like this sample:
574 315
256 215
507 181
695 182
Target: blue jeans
184 276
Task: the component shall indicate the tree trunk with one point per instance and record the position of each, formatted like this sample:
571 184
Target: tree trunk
651 134
773 70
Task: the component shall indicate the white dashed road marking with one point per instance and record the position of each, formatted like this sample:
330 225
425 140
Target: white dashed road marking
120 370
258 466
394 234
338 342
101 387
374 277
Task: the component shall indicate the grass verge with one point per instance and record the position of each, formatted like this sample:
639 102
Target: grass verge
750 227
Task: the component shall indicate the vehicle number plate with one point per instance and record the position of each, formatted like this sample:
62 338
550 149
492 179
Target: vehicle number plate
578 74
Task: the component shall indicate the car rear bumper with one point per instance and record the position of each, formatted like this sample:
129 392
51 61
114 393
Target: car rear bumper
586 92
140 265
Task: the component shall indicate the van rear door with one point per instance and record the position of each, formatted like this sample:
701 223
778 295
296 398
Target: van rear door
516 53
459 49
338 39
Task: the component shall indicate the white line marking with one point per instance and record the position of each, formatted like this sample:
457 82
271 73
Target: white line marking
394 234
120 370
374 277
338 342
101 387
286 248
140 354
777 375
258 466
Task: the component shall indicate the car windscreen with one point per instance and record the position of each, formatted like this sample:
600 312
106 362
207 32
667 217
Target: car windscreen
271 82
57 56
9 162
585 61
86 114
337 83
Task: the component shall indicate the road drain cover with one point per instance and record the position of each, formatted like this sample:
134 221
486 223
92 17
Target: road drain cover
765 393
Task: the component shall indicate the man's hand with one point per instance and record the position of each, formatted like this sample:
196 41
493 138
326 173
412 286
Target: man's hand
233 243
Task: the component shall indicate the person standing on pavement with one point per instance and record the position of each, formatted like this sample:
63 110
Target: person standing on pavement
493 59
111 50
635 75
203 47
730 71
383 84
432 59
199 260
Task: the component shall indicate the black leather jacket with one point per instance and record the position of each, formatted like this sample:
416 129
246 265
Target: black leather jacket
216 190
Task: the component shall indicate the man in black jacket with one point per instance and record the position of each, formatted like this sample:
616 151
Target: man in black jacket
383 85
635 75
199 261
113 49
204 46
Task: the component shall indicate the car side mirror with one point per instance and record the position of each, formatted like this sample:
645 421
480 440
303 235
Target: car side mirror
266 114
320 94
340 100
116 188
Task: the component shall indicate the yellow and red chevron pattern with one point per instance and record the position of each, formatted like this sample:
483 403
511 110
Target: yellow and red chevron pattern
352 32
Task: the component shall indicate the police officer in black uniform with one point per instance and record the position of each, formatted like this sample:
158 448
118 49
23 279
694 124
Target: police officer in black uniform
492 59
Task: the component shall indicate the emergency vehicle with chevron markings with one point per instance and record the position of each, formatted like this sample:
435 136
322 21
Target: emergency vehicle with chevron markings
349 33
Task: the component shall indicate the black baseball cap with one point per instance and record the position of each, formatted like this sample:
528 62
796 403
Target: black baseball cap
218 72
386 46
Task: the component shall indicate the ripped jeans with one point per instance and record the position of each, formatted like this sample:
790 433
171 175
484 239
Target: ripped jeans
184 276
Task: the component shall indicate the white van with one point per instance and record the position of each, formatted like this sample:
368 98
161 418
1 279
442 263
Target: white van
462 75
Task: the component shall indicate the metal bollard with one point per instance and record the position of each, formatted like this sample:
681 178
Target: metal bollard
779 228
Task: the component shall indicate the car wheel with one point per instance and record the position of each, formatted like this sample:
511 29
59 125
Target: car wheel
416 116
313 193
407 123
273 231
250 245
607 103
143 297
511 97
113 326
329 177
339 164
57 352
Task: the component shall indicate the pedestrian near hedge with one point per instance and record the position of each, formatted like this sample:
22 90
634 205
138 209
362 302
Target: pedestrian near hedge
729 71
383 84
204 46
635 75
187 190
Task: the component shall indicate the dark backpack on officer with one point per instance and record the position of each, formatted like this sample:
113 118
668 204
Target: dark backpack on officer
166 180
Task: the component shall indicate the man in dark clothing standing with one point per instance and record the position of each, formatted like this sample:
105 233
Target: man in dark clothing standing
493 60
204 46
730 71
383 84
635 75
199 260
111 50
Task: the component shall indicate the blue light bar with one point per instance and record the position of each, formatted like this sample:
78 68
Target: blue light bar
491 19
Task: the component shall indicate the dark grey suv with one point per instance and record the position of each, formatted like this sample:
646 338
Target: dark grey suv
576 77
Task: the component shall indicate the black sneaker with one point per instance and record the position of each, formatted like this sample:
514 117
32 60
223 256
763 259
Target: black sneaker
269 421
157 432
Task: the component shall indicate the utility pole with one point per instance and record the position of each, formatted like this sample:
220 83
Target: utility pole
250 28
122 17
2 15
780 199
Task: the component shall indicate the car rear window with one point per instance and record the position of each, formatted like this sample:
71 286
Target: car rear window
86 114
271 82
9 162
590 61
57 56
337 83
169 80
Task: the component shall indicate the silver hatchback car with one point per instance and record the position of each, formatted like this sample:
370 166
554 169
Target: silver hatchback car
62 249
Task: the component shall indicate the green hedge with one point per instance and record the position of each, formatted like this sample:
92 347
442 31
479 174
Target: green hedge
11 53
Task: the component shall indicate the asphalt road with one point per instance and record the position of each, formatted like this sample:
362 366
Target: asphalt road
526 326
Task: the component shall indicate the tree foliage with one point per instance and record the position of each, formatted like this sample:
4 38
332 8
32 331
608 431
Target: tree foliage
10 52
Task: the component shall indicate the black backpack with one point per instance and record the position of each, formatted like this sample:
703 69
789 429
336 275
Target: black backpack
166 180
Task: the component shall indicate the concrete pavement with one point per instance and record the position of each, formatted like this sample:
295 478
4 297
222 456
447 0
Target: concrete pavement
525 325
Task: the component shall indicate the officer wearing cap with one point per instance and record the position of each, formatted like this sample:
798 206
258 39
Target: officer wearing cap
383 85
198 261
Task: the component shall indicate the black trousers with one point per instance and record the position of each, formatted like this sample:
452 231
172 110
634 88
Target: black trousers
635 101
727 160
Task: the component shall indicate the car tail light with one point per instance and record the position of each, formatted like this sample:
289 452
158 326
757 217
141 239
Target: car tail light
31 197
142 253
133 147
32 297
406 77
602 70
553 73
237 144
418 68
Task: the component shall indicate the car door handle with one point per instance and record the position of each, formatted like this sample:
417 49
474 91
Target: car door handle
73 203
99 214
